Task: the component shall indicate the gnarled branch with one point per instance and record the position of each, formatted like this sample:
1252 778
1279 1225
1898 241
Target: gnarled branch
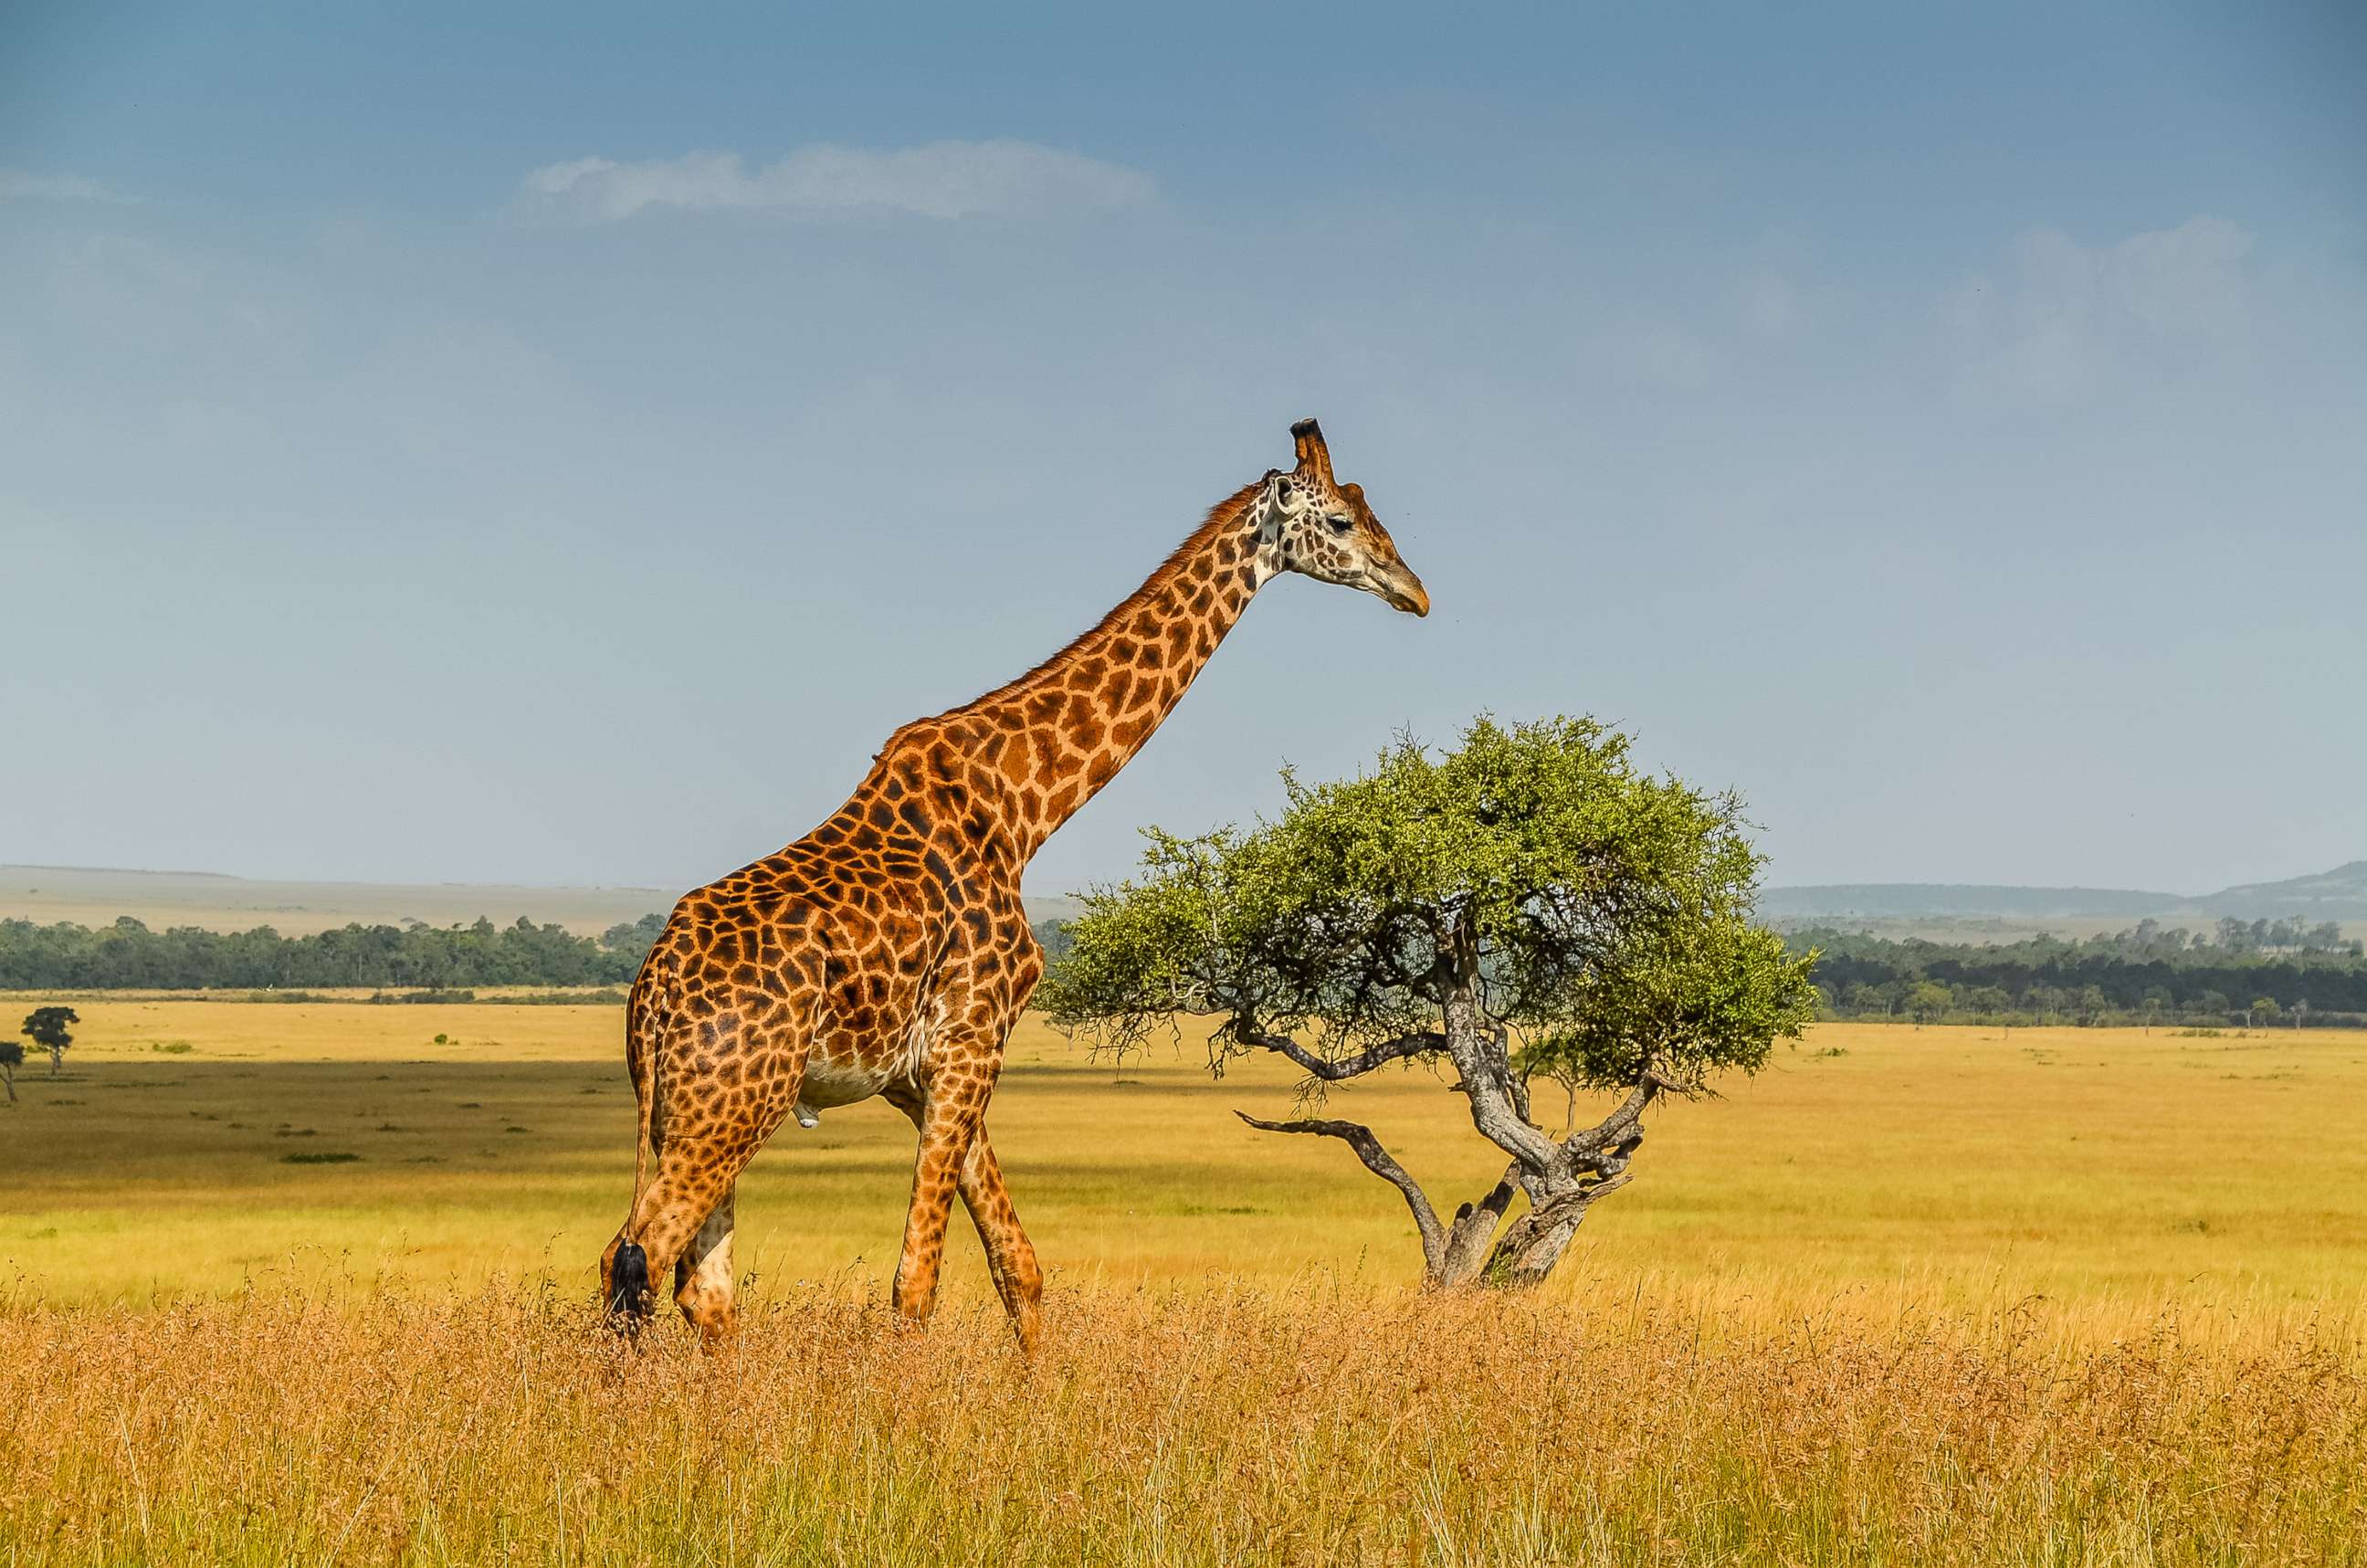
1497 1104
1616 1127
1333 1069
1378 1160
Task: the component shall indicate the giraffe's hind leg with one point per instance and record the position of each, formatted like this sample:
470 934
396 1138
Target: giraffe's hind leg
702 1276
691 1190
1010 1255
706 1135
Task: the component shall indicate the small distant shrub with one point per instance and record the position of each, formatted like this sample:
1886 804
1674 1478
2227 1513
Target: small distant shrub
443 1039
172 1047
324 1157
2200 1034
611 996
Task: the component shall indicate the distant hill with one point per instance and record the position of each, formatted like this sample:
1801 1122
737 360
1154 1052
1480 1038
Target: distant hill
96 895
1959 900
2340 894
93 895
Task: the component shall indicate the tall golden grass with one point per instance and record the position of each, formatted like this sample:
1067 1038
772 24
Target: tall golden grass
1215 1423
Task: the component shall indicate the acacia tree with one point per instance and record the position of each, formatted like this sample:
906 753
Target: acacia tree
46 1027
1526 904
1927 1000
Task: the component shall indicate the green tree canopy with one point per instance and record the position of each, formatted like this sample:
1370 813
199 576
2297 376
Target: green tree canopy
1929 999
48 1029
1528 903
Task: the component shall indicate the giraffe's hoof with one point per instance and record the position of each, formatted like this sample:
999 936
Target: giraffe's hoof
628 1289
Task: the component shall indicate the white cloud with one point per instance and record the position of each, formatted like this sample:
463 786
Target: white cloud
943 179
2067 318
19 184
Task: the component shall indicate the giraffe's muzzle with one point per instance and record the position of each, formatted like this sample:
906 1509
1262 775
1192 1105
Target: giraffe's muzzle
1404 591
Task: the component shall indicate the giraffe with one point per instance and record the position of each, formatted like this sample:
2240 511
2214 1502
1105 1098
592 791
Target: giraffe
886 951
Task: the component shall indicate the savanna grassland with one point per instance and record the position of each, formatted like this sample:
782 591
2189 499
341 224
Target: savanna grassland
300 1282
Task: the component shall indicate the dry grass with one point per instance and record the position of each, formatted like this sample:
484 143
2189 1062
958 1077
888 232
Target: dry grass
1912 1297
1220 1424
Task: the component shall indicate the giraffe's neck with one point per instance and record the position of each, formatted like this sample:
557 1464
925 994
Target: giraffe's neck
1061 731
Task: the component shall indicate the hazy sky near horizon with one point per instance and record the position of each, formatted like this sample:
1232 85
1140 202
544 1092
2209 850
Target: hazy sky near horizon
557 444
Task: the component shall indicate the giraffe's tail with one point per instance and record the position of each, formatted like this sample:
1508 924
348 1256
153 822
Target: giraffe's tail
629 1269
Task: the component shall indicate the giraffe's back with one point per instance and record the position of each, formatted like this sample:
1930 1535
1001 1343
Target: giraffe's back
834 944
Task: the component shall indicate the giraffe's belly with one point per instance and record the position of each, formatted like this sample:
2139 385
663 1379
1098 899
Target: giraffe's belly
839 1081
839 1071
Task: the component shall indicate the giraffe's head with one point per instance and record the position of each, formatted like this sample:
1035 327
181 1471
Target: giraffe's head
1310 524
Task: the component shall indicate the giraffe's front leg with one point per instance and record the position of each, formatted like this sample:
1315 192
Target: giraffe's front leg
1010 1256
951 1114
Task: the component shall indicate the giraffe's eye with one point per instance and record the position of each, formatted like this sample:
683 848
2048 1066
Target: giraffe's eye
1341 522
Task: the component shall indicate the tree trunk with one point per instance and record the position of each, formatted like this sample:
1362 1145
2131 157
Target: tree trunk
10 1073
1560 1178
57 1059
1532 1243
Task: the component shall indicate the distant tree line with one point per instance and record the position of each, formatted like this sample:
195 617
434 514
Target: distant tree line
1056 938
2255 974
2232 936
129 956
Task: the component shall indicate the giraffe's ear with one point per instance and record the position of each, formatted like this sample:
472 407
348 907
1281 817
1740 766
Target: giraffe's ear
1314 457
1282 488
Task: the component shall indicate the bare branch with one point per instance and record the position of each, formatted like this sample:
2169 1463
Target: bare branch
1595 1190
1615 1128
1378 1160
1330 1069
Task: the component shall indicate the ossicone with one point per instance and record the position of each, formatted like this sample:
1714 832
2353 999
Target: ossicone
1314 457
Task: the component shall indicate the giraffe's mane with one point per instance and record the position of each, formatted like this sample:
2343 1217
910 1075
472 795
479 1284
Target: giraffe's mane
1226 513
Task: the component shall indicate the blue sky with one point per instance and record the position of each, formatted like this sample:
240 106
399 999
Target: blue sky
558 444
